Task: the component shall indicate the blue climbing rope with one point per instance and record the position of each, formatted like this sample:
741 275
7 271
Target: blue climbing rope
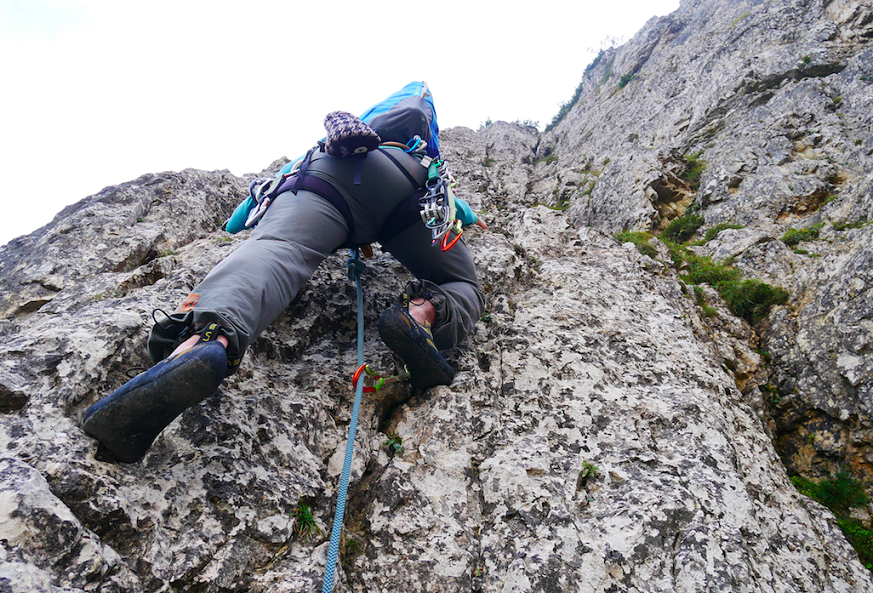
356 268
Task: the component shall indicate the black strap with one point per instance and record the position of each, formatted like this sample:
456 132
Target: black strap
301 170
403 216
360 170
403 170
406 213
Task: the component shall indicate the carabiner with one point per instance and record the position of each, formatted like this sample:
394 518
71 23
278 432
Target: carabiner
378 382
357 374
446 246
356 377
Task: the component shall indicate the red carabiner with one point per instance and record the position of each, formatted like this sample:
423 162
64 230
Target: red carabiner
446 247
357 376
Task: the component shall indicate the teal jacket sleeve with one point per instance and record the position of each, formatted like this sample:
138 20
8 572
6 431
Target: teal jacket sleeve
237 220
464 212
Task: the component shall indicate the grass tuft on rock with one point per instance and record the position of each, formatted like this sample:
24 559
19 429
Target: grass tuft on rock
641 240
793 237
683 228
712 233
746 298
841 493
694 167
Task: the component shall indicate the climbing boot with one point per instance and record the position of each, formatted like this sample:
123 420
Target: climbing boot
413 342
129 420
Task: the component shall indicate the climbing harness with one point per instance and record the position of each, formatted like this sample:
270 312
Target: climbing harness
356 269
262 192
435 200
437 206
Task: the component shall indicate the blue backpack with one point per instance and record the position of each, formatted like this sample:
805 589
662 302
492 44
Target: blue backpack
404 115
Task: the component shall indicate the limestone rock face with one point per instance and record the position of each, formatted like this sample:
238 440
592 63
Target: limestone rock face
602 433
118 230
773 99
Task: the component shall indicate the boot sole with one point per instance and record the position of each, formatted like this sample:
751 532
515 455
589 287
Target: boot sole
129 420
427 367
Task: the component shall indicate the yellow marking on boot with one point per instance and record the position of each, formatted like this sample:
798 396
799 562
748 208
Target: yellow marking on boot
207 334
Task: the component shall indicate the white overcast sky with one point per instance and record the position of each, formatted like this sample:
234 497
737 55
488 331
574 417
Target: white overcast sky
98 92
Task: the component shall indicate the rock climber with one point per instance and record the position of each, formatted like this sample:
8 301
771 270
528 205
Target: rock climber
205 338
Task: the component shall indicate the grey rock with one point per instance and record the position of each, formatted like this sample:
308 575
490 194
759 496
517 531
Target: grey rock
45 547
604 432
772 97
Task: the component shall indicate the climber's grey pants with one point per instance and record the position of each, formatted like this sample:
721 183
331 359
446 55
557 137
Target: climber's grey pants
252 286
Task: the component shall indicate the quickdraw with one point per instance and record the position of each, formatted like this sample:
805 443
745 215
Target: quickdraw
437 206
378 382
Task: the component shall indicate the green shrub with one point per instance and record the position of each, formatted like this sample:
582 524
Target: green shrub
794 236
694 167
528 123
703 270
565 108
840 494
304 522
752 299
589 470
860 538
594 63
607 74
749 299
626 78
842 226
562 205
548 159
711 233
641 240
395 444
701 302
683 228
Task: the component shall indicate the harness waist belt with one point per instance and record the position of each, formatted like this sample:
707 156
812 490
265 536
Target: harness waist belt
404 215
